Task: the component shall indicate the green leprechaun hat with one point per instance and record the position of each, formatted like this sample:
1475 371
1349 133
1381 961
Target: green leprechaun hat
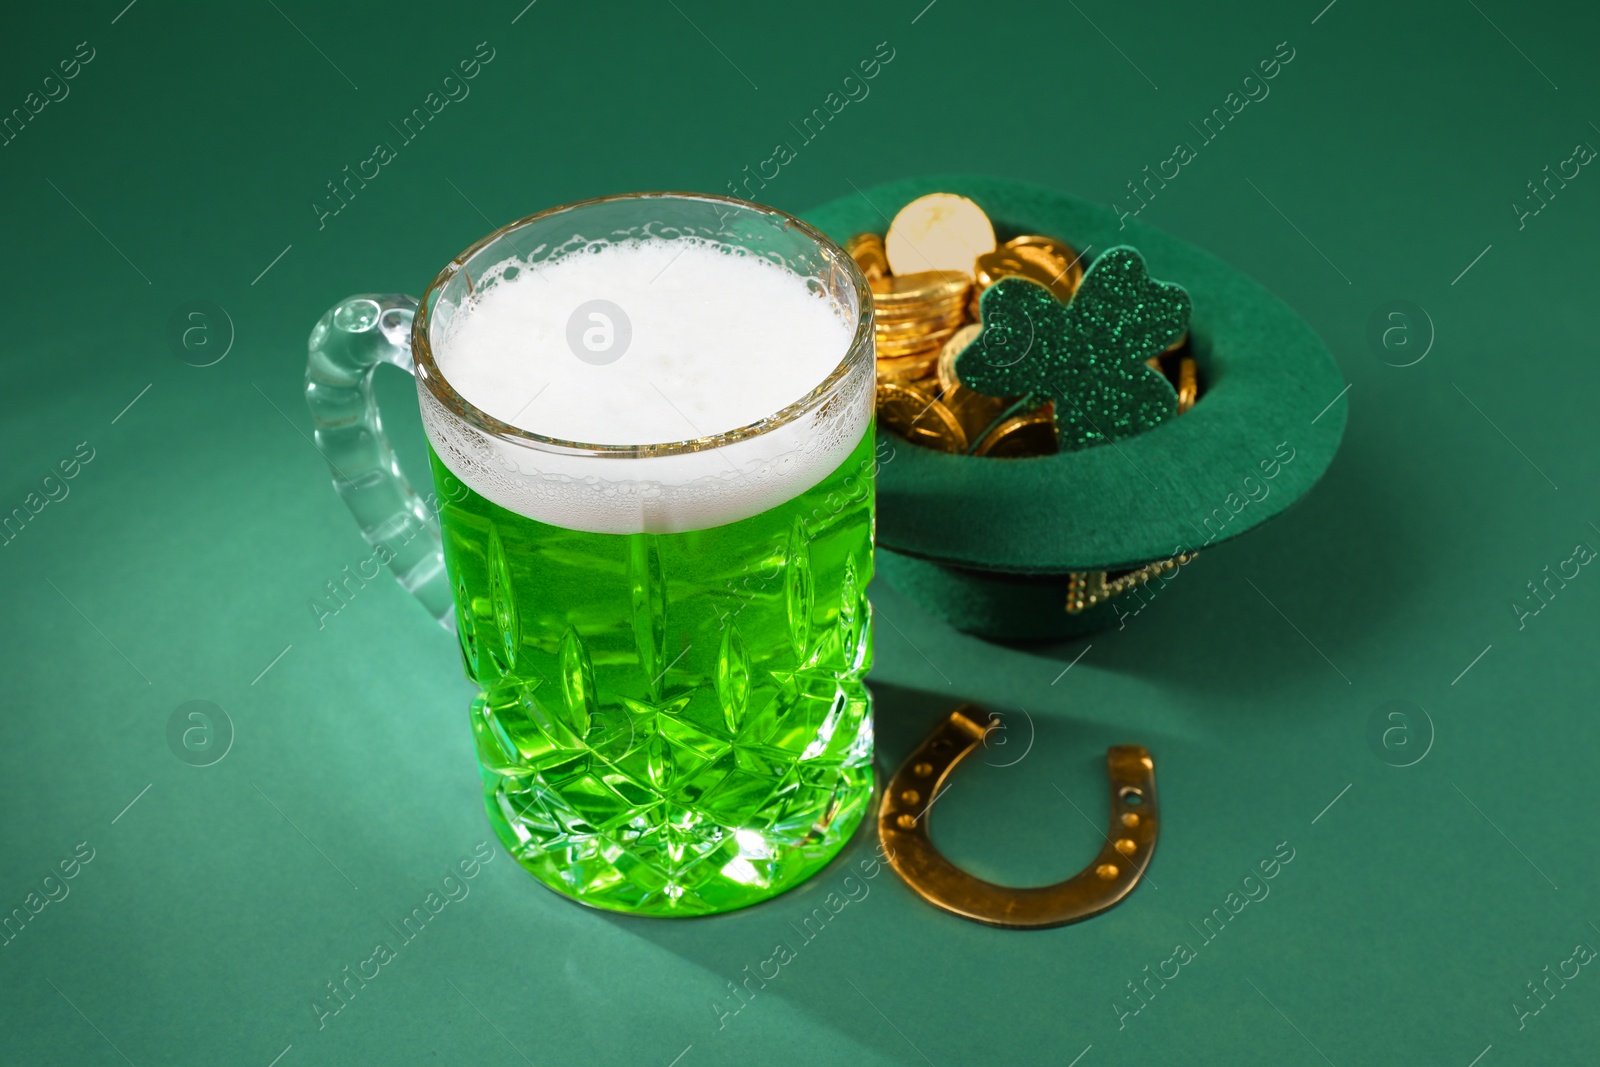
1043 546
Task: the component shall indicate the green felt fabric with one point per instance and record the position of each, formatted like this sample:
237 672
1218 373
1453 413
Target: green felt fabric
1193 481
1007 607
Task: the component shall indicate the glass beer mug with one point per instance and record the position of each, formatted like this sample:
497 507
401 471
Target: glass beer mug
669 629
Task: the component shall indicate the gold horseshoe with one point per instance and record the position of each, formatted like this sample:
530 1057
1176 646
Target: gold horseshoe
903 828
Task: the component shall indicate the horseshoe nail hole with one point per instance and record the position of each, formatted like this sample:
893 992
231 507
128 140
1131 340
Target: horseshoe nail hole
911 796
1130 819
1127 846
1131 796
941 745
1107 871
922 770
906 822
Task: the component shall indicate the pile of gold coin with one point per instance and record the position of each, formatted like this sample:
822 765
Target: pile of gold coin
915 313
926 276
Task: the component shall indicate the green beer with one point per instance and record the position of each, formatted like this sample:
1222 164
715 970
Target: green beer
671 723
649 421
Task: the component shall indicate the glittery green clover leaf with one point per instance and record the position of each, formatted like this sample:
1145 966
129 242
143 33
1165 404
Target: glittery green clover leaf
1088 356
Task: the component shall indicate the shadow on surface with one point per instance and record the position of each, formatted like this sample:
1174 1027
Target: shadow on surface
1278 607
1028 810
836 969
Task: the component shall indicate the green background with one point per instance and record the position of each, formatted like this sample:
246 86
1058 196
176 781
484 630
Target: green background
1384 161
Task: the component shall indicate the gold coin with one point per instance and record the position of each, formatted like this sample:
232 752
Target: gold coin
867 250
928 344
974 411
1166 361
1052 244
906 368
912 413
927 322
929 340
901 344
957 344
921 286
1030 434
911 326
928 351
1004 263
943 322
925 318
1031 263
1047 251
1188 384
940 231
917 323
900 350
926 302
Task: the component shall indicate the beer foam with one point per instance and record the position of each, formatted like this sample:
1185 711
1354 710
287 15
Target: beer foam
645 342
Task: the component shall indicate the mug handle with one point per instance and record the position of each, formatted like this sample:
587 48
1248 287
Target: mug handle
345 349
